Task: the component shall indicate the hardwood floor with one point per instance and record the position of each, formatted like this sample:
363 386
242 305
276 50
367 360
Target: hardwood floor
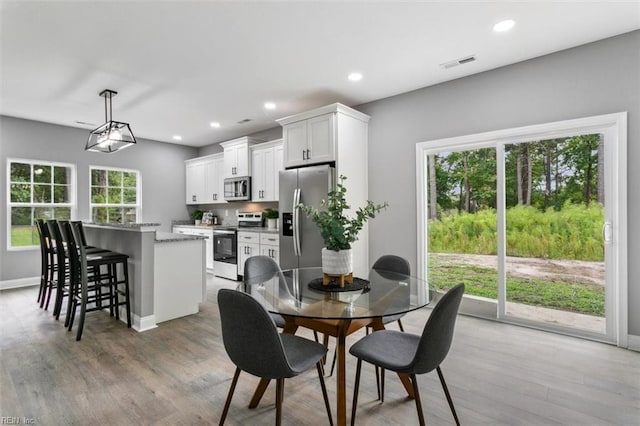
179 374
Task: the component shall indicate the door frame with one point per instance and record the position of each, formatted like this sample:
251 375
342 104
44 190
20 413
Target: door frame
614 127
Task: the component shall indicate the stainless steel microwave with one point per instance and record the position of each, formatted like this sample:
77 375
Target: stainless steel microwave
237 188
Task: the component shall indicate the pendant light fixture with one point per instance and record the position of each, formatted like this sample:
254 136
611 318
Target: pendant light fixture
112 136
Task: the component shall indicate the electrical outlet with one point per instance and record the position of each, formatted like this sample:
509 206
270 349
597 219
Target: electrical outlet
226 212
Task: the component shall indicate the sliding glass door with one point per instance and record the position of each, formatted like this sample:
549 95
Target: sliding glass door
524 217
554 204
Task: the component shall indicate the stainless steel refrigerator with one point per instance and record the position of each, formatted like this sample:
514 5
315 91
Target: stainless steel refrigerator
300 240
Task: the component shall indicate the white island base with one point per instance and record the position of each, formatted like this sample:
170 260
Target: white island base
179 273
167 275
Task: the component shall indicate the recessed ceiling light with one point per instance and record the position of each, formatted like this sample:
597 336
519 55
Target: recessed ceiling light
503 26
177 137
355 76
270 105
214 124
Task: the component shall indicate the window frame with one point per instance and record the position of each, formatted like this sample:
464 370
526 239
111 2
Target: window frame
72 204
137 206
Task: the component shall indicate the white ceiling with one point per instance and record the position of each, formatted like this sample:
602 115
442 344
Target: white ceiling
180 65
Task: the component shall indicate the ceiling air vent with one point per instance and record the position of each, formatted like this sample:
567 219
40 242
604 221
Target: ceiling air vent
244 121
458 61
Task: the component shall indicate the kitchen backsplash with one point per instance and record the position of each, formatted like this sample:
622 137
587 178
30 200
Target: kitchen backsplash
226 213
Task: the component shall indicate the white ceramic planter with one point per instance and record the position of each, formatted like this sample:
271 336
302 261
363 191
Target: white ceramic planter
272 223
337 262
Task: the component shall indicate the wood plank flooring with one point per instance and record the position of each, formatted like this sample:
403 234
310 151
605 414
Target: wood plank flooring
179 374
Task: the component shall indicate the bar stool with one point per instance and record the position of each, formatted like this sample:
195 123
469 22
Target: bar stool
46 262
87 284
60 278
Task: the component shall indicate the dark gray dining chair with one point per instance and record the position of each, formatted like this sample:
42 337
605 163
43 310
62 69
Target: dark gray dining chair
258 270
386 264
394 264
246 325
412 354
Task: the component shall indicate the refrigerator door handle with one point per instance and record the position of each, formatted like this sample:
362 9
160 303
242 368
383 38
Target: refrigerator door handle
296 222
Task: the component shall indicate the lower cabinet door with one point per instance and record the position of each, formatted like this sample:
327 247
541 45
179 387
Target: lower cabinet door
271 251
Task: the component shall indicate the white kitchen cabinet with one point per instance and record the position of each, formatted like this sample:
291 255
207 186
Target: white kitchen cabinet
270 245
203 232
252 243
237 161
248 245
214 181
266 163
195 181
204 179
309 141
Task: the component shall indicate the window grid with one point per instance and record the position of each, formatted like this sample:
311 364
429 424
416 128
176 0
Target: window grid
37 190
114 195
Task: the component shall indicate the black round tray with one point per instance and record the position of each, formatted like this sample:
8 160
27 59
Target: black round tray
333 286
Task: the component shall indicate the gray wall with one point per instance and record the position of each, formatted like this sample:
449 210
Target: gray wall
598 78
161 166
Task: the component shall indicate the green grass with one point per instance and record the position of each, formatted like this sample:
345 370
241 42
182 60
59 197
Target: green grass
566 295
575 232
22 236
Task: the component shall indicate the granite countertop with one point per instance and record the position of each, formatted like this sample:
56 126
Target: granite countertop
186 225
261 229
167 237
141 227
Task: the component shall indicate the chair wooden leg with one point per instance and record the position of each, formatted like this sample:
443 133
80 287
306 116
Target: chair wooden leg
356 388
414 382
400 325
324 392
227 404
446 392
279 398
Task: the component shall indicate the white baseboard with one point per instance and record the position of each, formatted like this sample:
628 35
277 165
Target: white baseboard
20 282
633 342
143 323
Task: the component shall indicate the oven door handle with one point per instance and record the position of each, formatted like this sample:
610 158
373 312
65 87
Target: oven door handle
296 222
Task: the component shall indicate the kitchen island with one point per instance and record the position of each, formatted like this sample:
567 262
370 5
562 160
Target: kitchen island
167 275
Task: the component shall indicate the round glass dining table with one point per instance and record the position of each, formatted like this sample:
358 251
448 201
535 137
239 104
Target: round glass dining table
303 301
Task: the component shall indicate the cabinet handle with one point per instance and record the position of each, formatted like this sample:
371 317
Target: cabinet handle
308 154
304 154
194 198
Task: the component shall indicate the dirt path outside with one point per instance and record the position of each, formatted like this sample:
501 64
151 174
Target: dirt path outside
574 270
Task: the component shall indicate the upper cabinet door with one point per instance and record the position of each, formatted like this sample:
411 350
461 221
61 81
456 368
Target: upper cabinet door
195 179
309 141
237 162
218 182
295 135
257 174
242 160
266 163
320 137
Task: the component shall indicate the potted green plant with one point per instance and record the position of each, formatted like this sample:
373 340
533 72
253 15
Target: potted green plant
197 216
272 216
338 230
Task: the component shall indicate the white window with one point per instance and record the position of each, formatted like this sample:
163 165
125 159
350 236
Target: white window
37 190
115 195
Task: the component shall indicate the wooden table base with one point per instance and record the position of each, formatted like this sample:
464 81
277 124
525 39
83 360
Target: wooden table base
340 329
